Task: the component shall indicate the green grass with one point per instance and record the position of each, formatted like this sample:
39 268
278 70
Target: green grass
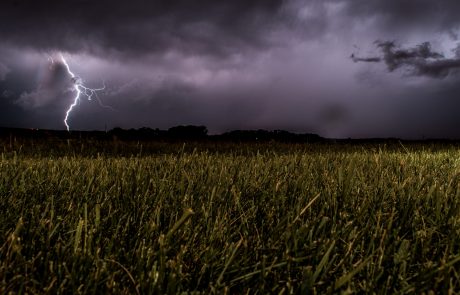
233 219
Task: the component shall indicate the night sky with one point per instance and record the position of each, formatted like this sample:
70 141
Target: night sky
339 68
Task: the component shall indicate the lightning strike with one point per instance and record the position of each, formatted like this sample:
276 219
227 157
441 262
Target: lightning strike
80 89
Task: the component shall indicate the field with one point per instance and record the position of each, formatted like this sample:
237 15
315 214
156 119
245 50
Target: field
154 218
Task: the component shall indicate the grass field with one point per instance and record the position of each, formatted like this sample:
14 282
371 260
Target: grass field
238 218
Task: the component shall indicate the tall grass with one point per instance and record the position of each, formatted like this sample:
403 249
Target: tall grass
317 219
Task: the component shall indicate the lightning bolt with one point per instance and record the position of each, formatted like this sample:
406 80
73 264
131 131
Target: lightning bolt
80 89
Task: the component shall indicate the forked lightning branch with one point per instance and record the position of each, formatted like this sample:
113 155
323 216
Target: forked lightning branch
81 90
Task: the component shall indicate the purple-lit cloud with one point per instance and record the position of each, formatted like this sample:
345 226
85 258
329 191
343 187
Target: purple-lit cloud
419 61
240 64
4 70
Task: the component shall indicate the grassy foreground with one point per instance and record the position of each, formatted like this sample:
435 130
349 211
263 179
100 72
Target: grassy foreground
307 219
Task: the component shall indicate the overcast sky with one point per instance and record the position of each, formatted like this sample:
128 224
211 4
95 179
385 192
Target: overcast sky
339 68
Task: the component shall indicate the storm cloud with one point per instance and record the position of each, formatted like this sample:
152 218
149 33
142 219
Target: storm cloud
407 15
3 71
235 65
365 59
136 27
420 60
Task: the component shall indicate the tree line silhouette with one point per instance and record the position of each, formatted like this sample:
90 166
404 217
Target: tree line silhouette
177 133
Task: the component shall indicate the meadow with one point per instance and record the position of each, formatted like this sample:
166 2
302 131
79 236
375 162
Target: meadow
86 217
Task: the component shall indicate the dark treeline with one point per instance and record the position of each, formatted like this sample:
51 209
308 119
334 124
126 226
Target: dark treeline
180 139
178 133
199 133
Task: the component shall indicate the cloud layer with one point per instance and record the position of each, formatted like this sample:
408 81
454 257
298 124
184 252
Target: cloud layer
419 61
236 64
4 70
136 27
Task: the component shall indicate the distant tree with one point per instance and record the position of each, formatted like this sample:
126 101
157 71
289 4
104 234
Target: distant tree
188 132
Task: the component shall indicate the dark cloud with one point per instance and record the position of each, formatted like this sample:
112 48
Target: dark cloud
408 15
4 70
138 27
365 59
420 60
277 64
7 93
